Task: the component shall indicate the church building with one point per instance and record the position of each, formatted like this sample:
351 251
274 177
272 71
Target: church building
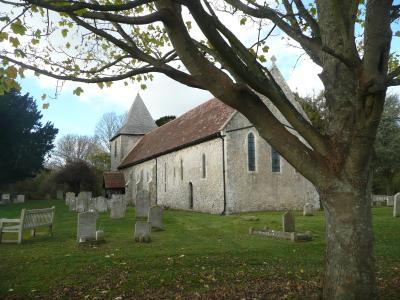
211 159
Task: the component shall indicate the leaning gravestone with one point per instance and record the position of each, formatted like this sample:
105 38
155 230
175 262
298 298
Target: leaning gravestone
288 222
308 209
142 231
118 207
156 217
72 203
142 201
101 204
5 199
86 226
20 199
396 207
69 196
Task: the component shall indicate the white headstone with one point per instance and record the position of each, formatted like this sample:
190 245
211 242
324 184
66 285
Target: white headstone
5 199
390 201
72 203
156 217
69 196
142 231
86 226
101 204
118 207
396 207
308 209
82 202
60 195
20 199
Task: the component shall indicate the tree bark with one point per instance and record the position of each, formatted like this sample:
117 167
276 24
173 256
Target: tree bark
350 263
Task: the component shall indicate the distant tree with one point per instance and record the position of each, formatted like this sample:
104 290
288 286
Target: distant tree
78 175
24 140
164 120
387 149
107 127
386 162
72 147
100 160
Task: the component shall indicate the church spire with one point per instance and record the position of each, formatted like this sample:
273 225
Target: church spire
138 121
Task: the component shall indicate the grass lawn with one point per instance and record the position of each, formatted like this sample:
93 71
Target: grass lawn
198 256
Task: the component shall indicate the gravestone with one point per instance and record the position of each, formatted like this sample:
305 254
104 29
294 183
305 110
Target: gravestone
142 201
92 204
5 199
82 202
72 203
156 217
118 207
20 199
68 197
153 187
86 226
390 201
288 222
101 204
142 231
59 195
308 209
396 207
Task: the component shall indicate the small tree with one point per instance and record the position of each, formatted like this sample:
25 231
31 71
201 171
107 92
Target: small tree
79 176
164 120
25 141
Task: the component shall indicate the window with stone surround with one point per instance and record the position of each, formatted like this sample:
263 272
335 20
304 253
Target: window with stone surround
251 152
115 149
275 161
165 177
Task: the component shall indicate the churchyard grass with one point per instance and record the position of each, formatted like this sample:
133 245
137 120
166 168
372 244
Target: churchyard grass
196 256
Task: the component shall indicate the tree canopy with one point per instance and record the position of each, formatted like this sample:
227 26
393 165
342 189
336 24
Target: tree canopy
193 42
25 140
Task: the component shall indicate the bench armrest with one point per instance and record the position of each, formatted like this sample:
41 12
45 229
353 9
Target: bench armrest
10 220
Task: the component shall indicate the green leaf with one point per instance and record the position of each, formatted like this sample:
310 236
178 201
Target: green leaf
18 28
12 72
143 86
78 91
243 21
14 41
64 32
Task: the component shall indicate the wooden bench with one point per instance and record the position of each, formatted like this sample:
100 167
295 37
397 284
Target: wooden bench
30 219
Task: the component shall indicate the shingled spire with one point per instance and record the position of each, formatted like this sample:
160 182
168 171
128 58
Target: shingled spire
138 120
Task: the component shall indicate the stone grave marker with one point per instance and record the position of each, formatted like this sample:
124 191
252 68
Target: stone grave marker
20 199
69 196
142 201
72 203
308 209
82 202
142 231
86 226
118 207
59 195
396 207
101 204
156 217
5 199
288 222
390 201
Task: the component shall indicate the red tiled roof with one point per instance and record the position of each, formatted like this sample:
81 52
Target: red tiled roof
199 124
113 180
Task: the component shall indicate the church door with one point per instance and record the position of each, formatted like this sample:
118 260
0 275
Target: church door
190 195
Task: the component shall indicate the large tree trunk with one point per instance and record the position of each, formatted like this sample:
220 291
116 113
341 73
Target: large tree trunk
350 265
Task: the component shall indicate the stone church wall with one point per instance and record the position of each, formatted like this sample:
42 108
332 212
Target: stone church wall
261 189
123 145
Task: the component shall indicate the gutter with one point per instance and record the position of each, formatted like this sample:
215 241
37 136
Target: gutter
199 141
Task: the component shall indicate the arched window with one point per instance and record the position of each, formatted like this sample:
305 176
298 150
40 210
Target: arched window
251 152
115 149
165 177
203 166
275 161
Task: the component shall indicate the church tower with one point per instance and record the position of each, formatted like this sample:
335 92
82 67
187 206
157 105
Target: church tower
138 122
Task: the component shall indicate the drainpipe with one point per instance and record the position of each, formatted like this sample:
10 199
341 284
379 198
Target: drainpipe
223 173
